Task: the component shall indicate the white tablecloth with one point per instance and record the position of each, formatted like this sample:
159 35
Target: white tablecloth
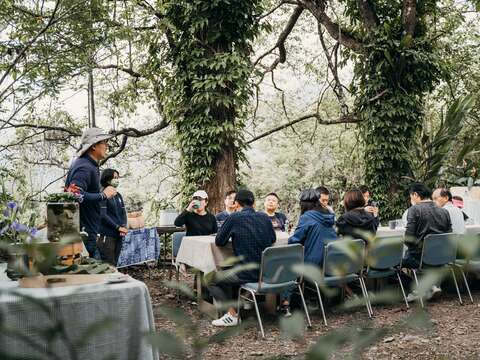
200 252
127 304
384 231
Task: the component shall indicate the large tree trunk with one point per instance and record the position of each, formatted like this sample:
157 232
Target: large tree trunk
223 180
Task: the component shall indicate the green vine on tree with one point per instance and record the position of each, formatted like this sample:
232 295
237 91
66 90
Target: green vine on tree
210 84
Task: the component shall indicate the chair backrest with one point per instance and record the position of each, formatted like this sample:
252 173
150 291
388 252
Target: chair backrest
468 246
343 257
277 264
439 249
176 242
385 253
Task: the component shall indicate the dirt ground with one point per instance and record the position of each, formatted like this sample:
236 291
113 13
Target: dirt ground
454 331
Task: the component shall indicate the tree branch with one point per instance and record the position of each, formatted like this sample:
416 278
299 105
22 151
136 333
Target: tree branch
116 152
120 68
280 44
350 118
317 8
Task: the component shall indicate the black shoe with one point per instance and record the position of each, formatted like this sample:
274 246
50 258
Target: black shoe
285 310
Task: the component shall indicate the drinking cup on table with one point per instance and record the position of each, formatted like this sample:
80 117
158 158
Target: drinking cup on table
392 224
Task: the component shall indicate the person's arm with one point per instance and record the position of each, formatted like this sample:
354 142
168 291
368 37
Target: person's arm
81 178
106 218
181 219
411 228
300 233
214 224
225 232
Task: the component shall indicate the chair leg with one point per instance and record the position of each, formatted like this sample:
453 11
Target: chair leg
321 304
238 303
365 296
403 290
416 282
456 285
177 279
304 306
258 312
466 285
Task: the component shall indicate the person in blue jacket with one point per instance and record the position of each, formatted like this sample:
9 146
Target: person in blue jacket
85 175
314 230
114 220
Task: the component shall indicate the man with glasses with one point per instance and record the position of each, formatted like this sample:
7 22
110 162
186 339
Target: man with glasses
196 219
84 175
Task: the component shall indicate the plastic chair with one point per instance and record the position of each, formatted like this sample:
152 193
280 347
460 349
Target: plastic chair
276 276
468 256
439 250
176 242
342 264
384 259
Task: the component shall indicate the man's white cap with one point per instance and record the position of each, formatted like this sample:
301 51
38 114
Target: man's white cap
200 193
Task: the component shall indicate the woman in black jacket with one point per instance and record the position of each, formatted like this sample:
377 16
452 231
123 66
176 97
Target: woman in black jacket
356 222
114 220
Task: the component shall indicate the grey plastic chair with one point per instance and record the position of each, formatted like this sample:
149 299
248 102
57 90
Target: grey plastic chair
468 256
176 242
342 264
439 250
276 276
384 259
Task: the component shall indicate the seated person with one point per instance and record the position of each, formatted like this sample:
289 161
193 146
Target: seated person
196 219
229 202
356 221
314 230
271 205
370 205
251 233
457 201
443 198
324 196
424 218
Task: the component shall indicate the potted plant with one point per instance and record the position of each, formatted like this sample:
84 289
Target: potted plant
14 235
166 212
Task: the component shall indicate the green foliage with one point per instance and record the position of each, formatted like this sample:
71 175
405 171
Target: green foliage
393 74
209 86
439 153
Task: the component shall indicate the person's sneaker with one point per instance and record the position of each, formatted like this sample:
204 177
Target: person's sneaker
413 296
435 292
226 320
285 310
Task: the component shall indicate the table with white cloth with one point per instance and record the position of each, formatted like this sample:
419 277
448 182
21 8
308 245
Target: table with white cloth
384 231
139 246
127 305
200 252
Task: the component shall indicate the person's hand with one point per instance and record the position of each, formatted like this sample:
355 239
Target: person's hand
190 207
122 230
110 192
372 209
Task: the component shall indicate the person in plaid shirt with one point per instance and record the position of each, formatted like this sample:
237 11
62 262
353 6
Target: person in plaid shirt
251 232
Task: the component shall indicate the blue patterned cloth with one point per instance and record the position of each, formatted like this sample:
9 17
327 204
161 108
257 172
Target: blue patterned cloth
139 246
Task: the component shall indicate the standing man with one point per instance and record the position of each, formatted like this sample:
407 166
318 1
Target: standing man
85 175
229 202
443 198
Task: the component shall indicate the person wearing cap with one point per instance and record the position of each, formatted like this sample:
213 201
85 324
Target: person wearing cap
196 219
251 232
85 175
314 230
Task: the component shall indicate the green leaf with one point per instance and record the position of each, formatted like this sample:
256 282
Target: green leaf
167 344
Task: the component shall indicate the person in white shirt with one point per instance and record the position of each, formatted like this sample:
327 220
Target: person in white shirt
443 198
